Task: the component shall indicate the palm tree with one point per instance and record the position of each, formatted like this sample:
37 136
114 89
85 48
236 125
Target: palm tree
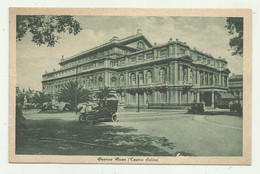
41 97
20 98
104 93
73 93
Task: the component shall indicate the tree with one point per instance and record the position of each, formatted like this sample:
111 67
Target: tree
74 93
41 97
20 99
235 28
104 93
23 95
44 29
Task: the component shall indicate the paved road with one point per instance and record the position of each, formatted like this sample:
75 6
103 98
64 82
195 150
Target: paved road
199 135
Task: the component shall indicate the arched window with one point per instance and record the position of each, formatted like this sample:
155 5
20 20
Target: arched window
148 77
206 78
113 81
210 79
193 76
100 81
132 79
84 83
201 78
121 80
88 82
162 76
141 78
185 74
216 79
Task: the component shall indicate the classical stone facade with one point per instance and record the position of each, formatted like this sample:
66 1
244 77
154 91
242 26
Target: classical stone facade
236 86
166 75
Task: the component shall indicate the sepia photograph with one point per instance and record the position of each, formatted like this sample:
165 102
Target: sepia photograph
105 86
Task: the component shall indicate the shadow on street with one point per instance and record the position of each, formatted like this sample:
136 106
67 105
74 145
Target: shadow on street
61 137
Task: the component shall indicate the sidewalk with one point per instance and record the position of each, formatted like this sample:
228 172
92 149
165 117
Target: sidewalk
148 111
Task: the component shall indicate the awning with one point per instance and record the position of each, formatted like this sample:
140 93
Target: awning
226 96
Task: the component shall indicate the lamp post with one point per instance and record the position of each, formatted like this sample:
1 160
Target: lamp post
138 102
76 92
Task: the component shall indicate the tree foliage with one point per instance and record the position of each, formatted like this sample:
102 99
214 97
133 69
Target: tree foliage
235 28
73 92
22 95
104 93
41 97
45 29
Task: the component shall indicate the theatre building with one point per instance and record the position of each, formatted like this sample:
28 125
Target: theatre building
159 76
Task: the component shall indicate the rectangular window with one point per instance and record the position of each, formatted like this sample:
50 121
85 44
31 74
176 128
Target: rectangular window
122 62
141 57
101 63
163 52
182 51
133 59
113 63
149 56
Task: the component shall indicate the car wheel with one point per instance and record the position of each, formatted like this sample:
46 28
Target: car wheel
114 118
89 119
82 118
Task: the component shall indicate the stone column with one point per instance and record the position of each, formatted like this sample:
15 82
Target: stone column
180 98
175 50
171 96
154 75
181 73
155 53
168 96
106 78
144 77
136 98
176 73
188 74
155 96
145 98
128 98
227 82
170 50
188 97
204 77
198 97
208 78
223 79
176 96
213 79
212 99
198 77
219 80
126 78
167 74
170 74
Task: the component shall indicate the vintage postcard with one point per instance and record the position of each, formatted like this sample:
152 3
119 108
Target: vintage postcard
130 86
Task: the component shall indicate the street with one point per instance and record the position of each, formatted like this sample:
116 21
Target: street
192 135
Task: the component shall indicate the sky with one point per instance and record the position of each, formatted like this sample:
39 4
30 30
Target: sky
207 34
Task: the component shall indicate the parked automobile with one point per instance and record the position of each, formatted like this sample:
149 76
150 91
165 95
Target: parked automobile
236 106
101 110
196 108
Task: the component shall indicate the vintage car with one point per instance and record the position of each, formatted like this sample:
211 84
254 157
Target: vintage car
101 110
236 106
196 108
